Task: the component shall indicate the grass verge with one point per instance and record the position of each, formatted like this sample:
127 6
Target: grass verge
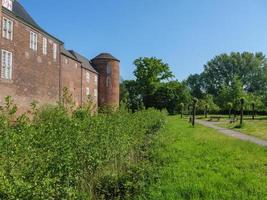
198 163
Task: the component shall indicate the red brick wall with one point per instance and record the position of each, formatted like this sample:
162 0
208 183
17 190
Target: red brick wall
71 76
35 76
91 85
108 95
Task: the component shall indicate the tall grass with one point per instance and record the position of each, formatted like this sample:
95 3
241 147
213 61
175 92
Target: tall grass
57 154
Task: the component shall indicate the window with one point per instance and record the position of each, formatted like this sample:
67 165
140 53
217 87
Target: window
6 65
55 51
7 4
87 91
45 46
7 29
87 77
95 92
96 80
33 41
66 61
108 81
108 69
76 65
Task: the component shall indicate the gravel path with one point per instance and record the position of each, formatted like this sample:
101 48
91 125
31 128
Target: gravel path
232 133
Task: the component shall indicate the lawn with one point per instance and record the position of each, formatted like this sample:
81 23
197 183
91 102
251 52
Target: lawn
198 163
257 128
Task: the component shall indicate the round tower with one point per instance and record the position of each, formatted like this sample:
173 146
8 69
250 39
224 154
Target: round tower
108 68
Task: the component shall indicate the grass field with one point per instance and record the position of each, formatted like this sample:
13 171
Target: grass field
198 163
257 128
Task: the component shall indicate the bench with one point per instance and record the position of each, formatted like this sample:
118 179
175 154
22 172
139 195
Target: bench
218 118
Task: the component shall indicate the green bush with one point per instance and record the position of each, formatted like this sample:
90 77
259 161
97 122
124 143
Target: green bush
62 155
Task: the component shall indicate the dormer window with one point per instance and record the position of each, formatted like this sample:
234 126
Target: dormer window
8 4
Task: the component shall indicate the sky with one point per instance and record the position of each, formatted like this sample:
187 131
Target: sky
183 33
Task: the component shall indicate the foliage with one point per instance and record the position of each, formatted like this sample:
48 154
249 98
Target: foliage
170 95
63 155
133 100
207 103
195 84
149 73
228 77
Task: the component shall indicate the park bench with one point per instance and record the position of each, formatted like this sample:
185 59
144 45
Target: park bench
218 118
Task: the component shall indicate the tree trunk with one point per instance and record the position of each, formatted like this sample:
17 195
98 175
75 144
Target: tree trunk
194 115
241 115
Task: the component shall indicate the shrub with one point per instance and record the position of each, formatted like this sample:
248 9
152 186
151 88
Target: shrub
63 155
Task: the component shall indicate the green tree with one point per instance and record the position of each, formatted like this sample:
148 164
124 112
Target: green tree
150 73
249 68
195 84
134 99
170 96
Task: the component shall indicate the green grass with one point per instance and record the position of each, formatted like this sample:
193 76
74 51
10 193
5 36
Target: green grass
257 128
198 163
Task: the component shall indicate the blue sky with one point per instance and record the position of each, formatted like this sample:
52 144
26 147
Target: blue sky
184 33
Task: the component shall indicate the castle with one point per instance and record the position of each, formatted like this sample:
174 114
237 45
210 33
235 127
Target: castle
36 66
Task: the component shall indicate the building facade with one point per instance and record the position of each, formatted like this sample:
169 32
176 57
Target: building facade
36 66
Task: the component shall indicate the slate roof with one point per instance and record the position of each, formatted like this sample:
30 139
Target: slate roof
105 56
20 13
85 62
68 54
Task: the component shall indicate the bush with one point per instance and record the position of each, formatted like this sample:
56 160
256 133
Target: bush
62 155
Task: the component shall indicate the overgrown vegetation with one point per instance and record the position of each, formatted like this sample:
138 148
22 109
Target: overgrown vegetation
65 153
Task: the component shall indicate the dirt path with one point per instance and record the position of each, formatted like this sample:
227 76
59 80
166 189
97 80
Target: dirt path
233 133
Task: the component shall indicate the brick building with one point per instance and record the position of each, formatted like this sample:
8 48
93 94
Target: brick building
36 66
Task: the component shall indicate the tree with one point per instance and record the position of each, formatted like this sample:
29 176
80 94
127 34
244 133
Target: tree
124 94
169 96
249 68
253 109
207 103
231 93
195 100
195 84
150 73
230 107
182 109
134 100
242 102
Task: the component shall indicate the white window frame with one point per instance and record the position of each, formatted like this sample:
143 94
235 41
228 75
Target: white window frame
96 80
44 45
87 91
7 28
54 51
33 41
6 64
88 77
95 93
66 61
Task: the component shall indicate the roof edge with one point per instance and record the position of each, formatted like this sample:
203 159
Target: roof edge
11 14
